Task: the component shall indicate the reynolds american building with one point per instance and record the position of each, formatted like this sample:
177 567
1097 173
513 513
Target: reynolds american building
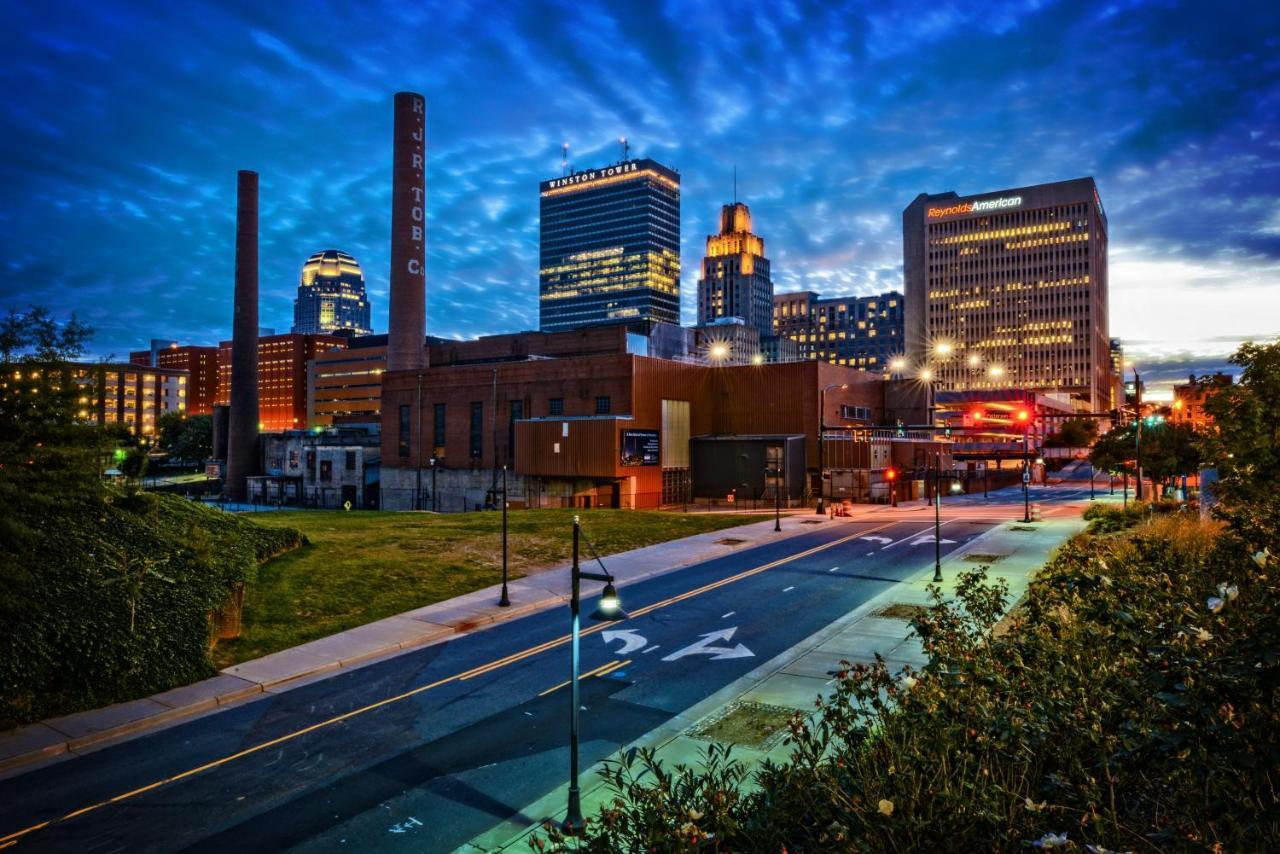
1009 289
610 246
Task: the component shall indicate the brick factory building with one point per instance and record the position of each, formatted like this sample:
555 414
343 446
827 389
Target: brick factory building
200 363
282 376
582 419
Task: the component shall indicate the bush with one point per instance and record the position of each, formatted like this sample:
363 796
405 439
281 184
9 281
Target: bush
1134 704
116 600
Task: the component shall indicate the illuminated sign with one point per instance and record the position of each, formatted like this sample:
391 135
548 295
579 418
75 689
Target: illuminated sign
593 175
640 447
982 206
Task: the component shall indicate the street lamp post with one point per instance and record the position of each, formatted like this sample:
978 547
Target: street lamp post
937 519
822 415
505 601
608 609
778 479
1137 433
1026 469
435 499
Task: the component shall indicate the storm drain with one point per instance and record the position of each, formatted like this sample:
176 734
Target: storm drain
981 558
903 611
730 541
755 725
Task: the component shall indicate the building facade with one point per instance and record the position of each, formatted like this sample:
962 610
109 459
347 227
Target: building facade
130 394
345 386
1190 397
200 363
1009 289
282 376
331 296
610 246
735 278
857 332
318 468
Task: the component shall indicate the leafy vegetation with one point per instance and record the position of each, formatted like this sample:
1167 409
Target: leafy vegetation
1074 433
360 567
185 438
1168 451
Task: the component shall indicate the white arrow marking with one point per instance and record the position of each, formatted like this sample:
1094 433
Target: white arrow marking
717 653
877 539
631 641
919 541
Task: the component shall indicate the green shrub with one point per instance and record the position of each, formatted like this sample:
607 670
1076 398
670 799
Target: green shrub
116 600
1134 705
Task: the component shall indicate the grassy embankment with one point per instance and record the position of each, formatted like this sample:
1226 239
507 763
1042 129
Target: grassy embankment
360 567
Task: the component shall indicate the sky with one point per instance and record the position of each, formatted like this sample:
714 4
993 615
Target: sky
125 124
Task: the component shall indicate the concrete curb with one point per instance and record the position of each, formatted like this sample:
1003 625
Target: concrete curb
58 739
508 835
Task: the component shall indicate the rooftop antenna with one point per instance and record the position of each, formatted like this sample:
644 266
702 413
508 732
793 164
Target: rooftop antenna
626 148
564 159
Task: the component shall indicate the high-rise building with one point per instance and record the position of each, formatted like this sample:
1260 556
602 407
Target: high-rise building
610 246
200 363
131 394
735 274
282 376
345 386
1009 289
331 296
860 332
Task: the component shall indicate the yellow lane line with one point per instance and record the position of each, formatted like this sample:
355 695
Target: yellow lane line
602 670
11 838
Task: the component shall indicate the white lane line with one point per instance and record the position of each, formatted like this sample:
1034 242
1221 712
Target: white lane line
650 649
834 568
788 589
913 536
728 615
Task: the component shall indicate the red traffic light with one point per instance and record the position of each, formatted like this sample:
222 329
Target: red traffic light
1023 415
977 415
891 474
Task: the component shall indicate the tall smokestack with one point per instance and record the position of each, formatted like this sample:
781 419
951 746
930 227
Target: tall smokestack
242 423
407 325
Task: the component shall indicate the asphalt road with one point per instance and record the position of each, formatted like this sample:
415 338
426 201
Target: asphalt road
424 751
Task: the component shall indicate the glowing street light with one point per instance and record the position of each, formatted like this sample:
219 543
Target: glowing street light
943 348
718 351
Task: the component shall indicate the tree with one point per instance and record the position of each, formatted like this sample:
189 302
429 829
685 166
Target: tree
1168 451
1245 442
186 437
1074 433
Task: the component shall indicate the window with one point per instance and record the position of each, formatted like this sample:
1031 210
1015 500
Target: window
438 426
603 405
556 406
326 470
351 461
406 430
477 428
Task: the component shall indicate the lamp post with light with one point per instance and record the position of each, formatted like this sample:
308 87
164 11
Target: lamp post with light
609 609
505 600
822 416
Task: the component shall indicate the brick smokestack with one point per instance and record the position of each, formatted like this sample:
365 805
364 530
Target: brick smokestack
242 423
407 324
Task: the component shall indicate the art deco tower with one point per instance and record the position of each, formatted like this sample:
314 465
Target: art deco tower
735 274
331 296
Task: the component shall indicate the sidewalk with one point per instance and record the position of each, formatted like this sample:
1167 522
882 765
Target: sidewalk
792 680
58 738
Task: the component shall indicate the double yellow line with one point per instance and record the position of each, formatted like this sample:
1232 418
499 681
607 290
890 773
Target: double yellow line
12 838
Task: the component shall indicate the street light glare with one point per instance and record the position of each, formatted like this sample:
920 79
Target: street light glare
719 350
926 375
944 349
996 371
898 364
973 360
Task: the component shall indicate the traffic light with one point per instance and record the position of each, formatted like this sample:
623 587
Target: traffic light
978 416
890 474
1022 416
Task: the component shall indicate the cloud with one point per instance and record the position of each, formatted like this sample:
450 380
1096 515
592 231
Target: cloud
127 124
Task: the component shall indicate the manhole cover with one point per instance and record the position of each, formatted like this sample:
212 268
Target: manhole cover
980 558
903 611
754 725
730 541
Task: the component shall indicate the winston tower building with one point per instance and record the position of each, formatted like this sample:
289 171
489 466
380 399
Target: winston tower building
610 246
1009 290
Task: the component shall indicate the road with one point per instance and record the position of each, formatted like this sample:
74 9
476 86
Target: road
426 750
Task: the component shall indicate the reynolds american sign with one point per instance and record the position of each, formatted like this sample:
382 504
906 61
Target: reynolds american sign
982 206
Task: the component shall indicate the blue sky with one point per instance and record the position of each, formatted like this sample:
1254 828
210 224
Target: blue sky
125 125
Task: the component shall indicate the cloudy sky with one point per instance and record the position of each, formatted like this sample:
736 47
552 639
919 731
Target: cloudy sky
126 122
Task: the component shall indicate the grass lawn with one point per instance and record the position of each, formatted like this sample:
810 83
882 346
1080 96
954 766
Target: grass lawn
364 566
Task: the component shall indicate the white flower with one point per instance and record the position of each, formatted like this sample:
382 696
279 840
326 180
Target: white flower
1260 558
1228 592
1215 604
908 682
1051 840
886 807
1035 807
1203 635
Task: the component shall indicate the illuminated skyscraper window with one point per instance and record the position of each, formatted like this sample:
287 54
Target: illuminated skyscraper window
331 296
610 246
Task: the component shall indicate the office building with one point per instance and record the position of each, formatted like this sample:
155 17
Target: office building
1189 399
858 332
728 341
130 394
200 363
1009 289
345 386
331 296
735 278
282 376
610 247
